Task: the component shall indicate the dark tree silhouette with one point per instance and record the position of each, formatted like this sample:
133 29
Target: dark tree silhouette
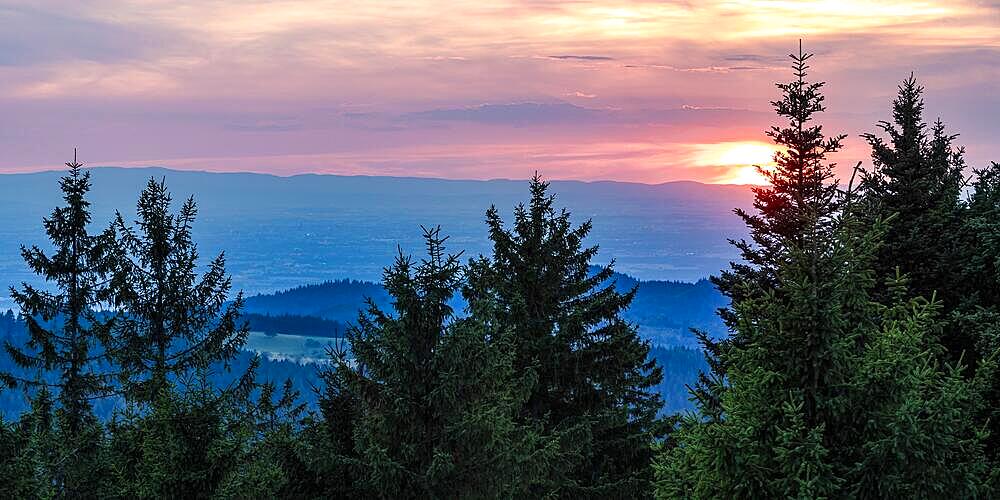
67 341
172 320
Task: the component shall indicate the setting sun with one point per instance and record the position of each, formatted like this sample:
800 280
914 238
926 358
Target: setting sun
744 175
739 160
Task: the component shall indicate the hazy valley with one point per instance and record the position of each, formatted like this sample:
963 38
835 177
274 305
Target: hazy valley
283 232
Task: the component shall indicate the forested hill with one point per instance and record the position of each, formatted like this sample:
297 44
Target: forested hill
337 300
664 310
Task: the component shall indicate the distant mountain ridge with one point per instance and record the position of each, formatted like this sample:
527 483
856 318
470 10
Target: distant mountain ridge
279 232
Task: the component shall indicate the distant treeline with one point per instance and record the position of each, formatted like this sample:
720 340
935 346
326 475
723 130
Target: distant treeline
11 325
290 324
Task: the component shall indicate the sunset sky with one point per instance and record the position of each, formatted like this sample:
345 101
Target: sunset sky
633 90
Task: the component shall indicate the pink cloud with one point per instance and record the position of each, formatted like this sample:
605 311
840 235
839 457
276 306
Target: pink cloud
307 85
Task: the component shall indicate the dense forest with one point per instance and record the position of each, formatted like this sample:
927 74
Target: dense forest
863 323
290 324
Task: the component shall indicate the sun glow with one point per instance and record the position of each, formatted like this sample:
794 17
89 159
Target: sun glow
739 159
744 175
745 153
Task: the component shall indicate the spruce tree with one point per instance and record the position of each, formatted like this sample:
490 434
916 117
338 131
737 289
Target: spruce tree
981 271
436 394
800 196
917 178
172 319
180 434
798 205
333 466
68 339
891 420
269 460
944 244
984 221
593 379
822 391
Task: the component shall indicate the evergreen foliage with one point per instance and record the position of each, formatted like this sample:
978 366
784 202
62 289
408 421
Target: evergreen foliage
666 310
917 176
593 376
800 198
288 324
192 441
796 209
31 451
171 320
431 396
67 339
943 242
822 391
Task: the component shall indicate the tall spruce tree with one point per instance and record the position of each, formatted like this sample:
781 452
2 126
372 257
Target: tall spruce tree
180 435
944 244
436 395
800 197
917 177
592 375
823 392
172 320
68 339
797 206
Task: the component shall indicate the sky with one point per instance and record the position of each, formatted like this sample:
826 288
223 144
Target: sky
642 91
